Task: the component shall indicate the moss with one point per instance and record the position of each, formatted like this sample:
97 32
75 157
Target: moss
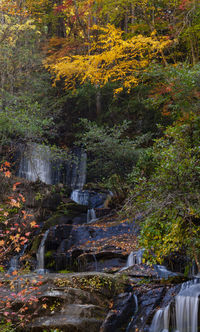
51 265
35 244
95 283
71 208
48 254
52 221
65 271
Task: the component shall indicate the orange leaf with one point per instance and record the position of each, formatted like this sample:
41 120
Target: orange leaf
33 223
8 174
15 185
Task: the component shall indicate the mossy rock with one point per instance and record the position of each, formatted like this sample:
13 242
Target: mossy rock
71 208
35 244
102 283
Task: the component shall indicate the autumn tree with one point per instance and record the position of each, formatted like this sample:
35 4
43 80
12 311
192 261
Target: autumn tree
110 58
166 192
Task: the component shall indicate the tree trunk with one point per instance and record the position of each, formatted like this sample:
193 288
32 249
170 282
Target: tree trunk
98 101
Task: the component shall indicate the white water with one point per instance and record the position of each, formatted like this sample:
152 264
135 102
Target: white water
135 257
96 263
14 262
91 215
35 164
41 251
187 305
38 162
161 320
186 311
163 272
78 177
80 197
128 329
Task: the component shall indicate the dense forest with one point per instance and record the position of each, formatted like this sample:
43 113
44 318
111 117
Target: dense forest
121 80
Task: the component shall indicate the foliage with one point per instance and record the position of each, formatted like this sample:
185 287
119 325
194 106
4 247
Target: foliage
110 58
110 151
17 226
23 112
169 198
174 90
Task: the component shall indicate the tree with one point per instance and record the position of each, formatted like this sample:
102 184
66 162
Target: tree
109 150
17 226
110 59
22 102
169 198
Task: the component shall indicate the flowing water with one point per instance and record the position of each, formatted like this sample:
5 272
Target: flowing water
81 197
38 162
135 257
40 254
15 261
186 311
91 215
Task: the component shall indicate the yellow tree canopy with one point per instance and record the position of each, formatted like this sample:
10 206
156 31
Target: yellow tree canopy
109 58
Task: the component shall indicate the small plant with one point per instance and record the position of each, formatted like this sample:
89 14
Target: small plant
38 196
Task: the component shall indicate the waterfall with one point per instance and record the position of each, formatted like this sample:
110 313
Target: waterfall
14 262
186 311
91 215
78 170
89 198
163 272
187 305
41 252
128 329
80 196
39 162
160 321
96 263
135 257
35 163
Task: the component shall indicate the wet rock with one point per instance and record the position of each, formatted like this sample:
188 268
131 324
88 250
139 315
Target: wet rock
70 302
140 271
149 301
122 311
100 260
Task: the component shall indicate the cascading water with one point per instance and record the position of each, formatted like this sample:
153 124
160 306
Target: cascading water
40 254
14 264
78 170
163 272
38 162
96 263
15 261
161 320
135 257
187 305
35 163
91 199
186 311
81 197
91 215
135 311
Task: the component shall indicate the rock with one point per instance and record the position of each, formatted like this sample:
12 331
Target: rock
140 271
148 302
67 324
100 260
122 311
70 302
